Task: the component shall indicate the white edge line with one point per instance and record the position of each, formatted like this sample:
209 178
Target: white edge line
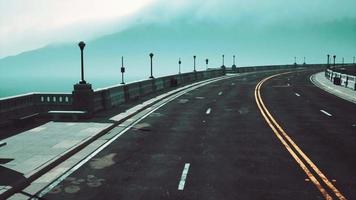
184 176
326 113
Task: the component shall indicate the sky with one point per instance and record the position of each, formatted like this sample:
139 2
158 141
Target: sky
38 38
27 25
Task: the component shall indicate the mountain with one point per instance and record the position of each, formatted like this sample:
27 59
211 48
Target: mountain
56 67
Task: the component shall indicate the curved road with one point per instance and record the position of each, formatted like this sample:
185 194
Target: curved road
214 143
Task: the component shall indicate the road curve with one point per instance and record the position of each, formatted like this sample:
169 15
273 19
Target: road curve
214 143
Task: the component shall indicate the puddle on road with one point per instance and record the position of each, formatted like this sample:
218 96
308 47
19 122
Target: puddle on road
142 127
183 100
244 110
103 162
155 114
72 185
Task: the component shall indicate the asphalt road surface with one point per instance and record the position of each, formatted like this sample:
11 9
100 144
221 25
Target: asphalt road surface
215 143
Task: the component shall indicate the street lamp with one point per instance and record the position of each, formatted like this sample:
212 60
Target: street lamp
206 62
122 70
295 60
179 63
194 57
328 61
151 56
233 65
223 60
81 46
334 60
304 61
353 60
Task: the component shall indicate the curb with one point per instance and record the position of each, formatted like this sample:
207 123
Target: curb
329 90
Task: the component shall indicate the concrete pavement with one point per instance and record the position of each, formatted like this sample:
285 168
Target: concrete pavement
28 153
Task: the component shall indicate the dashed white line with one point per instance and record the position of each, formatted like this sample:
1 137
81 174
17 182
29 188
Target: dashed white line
220 93
296 94
208 111
184 176
326 113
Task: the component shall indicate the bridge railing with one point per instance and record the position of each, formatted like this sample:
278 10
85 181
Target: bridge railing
106 98
28 104
342 79
270 67
23 105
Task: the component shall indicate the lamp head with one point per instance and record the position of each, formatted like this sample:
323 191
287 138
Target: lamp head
81 45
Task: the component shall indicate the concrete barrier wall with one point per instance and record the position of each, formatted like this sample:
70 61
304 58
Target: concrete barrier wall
24 105
271 67
16 107
346 80
117 95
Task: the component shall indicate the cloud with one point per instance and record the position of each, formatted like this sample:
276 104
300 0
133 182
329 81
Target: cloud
29 25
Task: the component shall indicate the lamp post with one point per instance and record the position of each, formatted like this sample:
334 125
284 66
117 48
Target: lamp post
194 57
304 61
179 63
353 60
122 70
223 60
151 56
233 67
81 46
206 62
328 61
295 60
334 60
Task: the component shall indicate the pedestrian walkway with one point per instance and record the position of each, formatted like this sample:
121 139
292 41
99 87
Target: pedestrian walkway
322 82
29 152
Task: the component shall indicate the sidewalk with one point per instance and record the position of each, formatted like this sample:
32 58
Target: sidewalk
28 153
323 83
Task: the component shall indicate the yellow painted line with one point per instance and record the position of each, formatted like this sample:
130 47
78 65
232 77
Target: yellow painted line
273 124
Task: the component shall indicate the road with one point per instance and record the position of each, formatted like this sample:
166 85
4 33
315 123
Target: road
214 143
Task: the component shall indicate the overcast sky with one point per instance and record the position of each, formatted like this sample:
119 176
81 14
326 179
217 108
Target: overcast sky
31 24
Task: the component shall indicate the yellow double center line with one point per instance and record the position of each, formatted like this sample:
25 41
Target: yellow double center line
303 161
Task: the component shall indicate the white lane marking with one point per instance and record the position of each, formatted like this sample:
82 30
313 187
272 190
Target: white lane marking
326 113
296 94
208 111
220 93
184 176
